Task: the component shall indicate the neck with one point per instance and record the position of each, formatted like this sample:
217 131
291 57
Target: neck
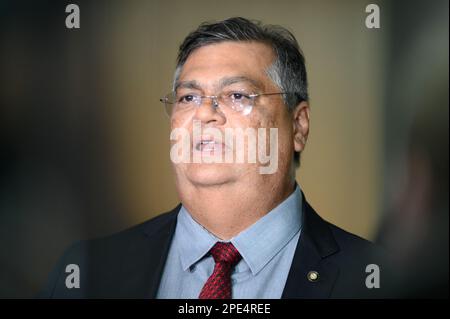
227 209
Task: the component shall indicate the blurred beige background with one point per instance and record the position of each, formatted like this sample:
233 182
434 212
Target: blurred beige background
85 139
341 167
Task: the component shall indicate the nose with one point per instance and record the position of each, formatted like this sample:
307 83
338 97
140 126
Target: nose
209 112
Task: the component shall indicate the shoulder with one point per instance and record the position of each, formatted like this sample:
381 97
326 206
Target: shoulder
358 260
130 235
349 242
332 240
104 258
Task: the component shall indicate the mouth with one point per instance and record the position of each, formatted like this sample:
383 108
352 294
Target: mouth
209 145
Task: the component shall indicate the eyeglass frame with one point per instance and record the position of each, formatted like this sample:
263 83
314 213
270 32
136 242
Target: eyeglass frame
214 98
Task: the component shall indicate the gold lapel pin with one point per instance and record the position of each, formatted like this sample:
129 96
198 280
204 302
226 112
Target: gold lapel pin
313 276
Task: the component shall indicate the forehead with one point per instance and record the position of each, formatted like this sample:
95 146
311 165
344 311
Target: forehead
213 62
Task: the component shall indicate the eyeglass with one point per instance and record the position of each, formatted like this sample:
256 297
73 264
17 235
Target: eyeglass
236 101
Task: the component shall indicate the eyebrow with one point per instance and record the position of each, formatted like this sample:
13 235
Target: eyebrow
222 83
187 85
238 79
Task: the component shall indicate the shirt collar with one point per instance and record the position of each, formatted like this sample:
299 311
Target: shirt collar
193 240
257 245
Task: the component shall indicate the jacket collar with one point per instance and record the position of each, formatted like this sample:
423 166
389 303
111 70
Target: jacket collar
316 243
158 244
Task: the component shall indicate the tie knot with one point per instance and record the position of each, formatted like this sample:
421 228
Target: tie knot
225 253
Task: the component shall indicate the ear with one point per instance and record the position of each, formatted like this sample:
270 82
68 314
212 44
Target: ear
300 121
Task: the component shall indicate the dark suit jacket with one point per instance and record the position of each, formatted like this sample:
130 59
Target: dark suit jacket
130 264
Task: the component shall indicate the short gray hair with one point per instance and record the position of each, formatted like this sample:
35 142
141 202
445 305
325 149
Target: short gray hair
288 71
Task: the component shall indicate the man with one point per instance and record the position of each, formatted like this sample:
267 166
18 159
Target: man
240 231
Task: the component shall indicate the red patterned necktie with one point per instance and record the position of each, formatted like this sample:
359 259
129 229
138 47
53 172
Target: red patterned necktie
218 285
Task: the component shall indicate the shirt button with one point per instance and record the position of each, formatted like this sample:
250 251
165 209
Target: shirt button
192 268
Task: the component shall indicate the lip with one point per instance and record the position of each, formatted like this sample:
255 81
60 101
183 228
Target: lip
208 144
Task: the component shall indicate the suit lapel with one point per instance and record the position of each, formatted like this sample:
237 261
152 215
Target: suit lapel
159 249
145 258
316 243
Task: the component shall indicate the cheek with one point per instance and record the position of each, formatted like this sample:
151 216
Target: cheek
261 119
180 128
180 122
286 133
282 122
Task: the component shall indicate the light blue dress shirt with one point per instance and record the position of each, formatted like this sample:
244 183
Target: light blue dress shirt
267 249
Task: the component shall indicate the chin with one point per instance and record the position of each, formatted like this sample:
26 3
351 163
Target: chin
210 174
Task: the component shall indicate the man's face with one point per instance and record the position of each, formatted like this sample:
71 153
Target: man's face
232 67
